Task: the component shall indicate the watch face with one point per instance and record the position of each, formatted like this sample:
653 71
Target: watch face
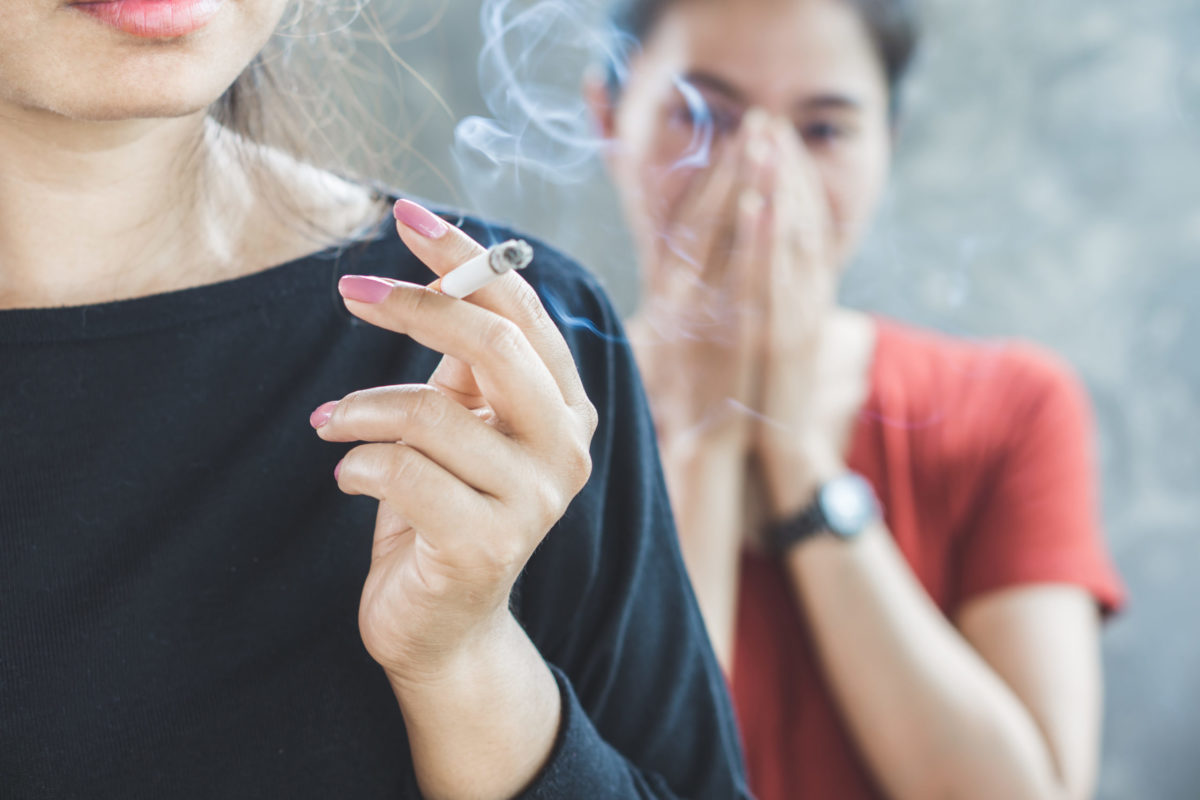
848 505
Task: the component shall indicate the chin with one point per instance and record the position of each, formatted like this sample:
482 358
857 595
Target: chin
139 100
77 68
153 82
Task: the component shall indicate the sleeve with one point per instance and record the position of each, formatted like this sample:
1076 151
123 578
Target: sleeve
646 711
1038 519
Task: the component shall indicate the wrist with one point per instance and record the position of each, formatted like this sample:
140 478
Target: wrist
844 509
792 475
464 662
483 722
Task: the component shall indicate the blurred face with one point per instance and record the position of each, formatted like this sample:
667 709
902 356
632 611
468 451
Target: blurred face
709 61
127 59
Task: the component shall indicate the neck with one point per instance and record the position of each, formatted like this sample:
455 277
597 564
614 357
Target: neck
89 209
92 212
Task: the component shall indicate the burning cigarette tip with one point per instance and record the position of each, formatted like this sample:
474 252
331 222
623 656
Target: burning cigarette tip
487 267
510 255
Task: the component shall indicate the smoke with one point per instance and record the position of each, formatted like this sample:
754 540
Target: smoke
537 155
531 70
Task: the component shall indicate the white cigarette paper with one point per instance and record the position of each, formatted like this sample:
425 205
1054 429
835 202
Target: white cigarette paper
487 267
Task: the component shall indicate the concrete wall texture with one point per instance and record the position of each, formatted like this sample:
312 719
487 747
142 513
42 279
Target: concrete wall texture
1047 185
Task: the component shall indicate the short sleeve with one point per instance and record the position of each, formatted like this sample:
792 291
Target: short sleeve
1037 518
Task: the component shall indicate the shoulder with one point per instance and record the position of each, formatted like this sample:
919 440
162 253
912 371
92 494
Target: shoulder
968 412
995 377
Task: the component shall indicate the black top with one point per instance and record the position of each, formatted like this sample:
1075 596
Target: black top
180 576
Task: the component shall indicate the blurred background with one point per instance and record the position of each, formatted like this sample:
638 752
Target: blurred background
1047 186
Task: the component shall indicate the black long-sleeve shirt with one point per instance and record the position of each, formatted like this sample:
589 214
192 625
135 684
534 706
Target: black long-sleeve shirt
180 576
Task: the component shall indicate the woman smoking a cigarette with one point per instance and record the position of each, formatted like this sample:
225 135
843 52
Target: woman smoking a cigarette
190 605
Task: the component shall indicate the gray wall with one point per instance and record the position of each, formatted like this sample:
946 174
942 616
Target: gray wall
1047 186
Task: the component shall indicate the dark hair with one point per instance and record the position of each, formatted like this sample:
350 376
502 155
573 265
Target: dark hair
891 24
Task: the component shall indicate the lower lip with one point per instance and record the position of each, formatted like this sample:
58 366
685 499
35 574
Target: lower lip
154 19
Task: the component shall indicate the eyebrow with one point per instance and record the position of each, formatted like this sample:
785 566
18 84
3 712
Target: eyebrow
707 80
832 101
835 102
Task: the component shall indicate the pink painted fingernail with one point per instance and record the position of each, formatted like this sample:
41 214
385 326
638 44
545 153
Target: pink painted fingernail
364 289
320 418
420 219
337 471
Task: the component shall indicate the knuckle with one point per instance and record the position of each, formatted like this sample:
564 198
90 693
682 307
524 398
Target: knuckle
577 465
425 406
581 465
504 554
412 303
404 465
528 305
462 248
503 337
550 500
347 409
591 418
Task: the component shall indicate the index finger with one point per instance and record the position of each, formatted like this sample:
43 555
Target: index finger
443 247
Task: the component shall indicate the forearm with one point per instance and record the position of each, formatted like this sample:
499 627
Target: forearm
486 724
707 487
930 716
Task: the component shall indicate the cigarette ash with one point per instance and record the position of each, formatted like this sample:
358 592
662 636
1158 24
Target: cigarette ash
515 254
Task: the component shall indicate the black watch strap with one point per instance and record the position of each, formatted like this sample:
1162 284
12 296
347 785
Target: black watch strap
810 522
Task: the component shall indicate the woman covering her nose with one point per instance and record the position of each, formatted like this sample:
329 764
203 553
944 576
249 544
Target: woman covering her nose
277 520
893 534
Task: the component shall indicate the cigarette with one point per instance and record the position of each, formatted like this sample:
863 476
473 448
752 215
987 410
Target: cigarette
486 267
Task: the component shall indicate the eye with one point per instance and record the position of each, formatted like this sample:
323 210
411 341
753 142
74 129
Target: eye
724 121
823 133
681 116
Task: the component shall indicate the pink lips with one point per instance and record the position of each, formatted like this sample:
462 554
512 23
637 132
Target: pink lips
154 19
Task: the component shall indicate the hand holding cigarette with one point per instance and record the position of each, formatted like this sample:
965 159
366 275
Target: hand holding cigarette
471 469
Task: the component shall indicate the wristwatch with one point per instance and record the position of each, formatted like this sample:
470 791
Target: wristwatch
844 507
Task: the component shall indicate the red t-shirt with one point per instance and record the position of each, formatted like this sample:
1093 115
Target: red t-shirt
982 457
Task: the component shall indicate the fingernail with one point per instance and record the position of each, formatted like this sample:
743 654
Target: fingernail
320 418
758 150
756 119
337 471
364 289
420 219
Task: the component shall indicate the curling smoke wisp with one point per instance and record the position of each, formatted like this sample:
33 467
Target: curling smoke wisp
531 68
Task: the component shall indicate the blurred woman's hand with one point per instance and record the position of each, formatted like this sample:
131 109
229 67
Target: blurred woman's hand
696 340
695 333
471 469
798 438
